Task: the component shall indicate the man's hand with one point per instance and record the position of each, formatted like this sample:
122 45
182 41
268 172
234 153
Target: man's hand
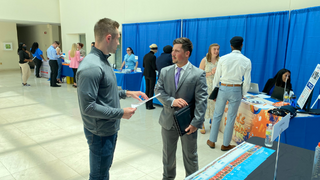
191 129
136 94
180 103
128 112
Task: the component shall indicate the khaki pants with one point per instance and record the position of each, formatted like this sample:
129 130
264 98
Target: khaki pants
26 72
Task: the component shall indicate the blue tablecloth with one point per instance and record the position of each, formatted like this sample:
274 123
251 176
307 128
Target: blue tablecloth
303 132
143 89
66 70
131 81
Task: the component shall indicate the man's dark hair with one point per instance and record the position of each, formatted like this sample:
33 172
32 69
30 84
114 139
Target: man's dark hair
104 27
57 42
186 44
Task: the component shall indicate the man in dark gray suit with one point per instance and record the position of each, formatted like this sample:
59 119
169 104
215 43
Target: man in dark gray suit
180 85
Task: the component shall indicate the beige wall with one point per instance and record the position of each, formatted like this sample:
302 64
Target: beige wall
130 11
8 59
30 11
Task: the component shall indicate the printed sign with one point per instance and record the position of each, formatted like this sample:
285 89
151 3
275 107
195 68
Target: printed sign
309 87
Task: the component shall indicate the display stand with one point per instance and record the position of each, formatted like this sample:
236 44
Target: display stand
278 128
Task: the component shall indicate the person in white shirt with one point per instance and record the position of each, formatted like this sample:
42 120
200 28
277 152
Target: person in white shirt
231 69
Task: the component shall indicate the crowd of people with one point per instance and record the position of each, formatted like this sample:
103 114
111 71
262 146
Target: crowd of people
55 58
180 84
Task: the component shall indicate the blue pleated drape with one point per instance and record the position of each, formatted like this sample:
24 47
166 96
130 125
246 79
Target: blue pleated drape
139 36
272 41
303 53
265 37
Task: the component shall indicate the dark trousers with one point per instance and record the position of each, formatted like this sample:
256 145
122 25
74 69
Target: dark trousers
150 83
38 66
100 155
74 74
54 72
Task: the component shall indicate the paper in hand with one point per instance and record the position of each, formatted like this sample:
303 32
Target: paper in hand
135 105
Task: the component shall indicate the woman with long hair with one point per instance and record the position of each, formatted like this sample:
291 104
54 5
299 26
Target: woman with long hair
279 79
130 61
75 58
37 53
24 59
209 65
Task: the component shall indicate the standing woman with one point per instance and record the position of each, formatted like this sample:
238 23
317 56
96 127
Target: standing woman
209 65
130 60
82 52
75 58
24 59
37 53
59 64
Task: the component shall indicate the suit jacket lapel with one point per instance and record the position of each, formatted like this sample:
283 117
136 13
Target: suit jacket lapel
171 73
184 76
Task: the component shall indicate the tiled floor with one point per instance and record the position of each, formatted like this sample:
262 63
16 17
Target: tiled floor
41 136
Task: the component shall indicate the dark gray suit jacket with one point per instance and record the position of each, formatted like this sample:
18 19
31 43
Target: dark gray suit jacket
192 88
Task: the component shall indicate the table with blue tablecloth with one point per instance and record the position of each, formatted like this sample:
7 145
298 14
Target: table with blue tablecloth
252 119
66 70
129 81
302 131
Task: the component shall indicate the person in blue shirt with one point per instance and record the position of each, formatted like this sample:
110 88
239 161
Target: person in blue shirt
37 53
130 61
53 57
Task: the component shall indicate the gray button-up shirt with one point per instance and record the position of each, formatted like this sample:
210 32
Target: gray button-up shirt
98 95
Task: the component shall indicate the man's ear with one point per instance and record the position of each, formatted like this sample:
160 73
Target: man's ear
187 54
108 38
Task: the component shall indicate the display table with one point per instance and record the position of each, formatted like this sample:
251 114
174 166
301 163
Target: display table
130 81
66 70
252 118
293 163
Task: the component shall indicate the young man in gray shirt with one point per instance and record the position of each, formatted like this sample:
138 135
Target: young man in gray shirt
99 99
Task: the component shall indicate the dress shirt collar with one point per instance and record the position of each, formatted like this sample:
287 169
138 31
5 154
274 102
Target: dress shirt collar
236 51
183 67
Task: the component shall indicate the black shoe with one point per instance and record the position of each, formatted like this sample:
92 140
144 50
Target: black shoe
56 85
150 108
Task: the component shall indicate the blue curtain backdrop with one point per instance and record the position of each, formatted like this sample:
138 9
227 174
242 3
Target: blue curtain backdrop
303 52
265 38
139 36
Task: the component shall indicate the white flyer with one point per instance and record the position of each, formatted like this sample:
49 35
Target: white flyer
135 105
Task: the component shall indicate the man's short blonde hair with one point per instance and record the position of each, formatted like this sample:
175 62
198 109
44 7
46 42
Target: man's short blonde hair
104 27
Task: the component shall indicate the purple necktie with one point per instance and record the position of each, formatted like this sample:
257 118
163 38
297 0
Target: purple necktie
177 76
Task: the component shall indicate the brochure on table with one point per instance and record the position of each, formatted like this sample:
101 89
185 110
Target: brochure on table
309 87
236 164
